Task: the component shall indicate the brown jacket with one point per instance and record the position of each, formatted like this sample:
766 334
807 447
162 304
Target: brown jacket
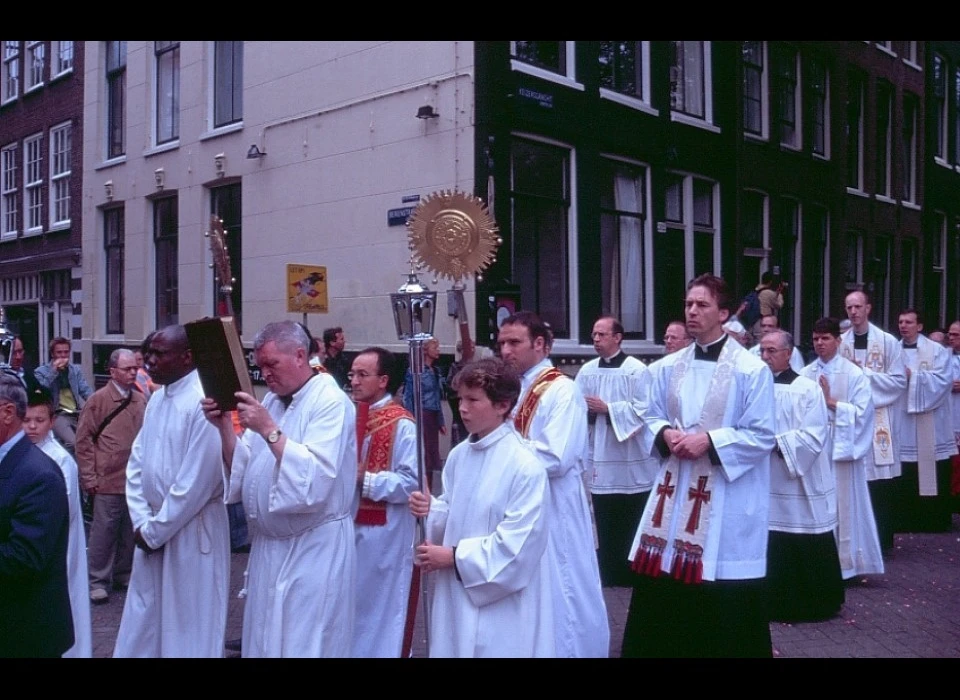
104 466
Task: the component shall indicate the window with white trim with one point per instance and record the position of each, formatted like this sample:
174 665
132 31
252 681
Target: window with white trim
167 270
547 55
690 243
956 118
880 294
625 69
116 75
167 75
755 233
909 51
33 183
61 145
812 291
36 58
227 82
755 88
884 137
11 70
938 259
623 244
63 56
817 98
855 132
9 192
690 79
787 67
854 260
114 242
908 275
787 236
940 103
909 145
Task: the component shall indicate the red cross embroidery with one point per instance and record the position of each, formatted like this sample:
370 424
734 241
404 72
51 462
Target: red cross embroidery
663 491
699 495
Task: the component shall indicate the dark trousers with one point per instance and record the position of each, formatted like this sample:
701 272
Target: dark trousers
618 516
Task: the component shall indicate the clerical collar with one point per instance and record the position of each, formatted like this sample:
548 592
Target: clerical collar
860 340
908 346
288 399
785 377
614 361
711 352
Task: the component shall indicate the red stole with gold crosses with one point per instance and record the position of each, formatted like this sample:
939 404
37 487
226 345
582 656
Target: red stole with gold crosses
381 427
524 416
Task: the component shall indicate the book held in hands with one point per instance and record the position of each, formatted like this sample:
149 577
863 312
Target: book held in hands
219 358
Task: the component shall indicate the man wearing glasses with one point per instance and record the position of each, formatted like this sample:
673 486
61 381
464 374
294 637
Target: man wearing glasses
384 526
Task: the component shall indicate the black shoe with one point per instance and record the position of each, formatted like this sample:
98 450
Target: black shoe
242 549
232 645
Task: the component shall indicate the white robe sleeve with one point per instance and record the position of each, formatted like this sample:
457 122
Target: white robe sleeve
929 388
750 439
501 563
853 422
653 411
626 417
137 504
395 485
801 446
196 481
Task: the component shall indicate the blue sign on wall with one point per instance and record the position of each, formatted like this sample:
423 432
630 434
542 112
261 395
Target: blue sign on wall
398 217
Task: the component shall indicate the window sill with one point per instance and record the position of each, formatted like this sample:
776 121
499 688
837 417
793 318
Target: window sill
681 118
819 156
910 205
756 138
32 89
7 237
790 147
119 160
545 74
163 148
30 233
942 162
858 193
884 49
885 199
61 76
915 66
633 102
59 226
221 131
9 100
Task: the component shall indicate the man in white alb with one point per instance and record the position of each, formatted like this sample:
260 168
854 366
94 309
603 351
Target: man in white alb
769 323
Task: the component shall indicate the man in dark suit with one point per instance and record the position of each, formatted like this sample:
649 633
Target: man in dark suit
20 367
35 618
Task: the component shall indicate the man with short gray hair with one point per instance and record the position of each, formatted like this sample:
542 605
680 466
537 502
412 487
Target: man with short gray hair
295 468
109 423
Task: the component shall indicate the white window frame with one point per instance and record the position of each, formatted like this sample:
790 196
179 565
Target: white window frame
886 47
764 134
569 78
706 85
939 263
956 119
63 53
886 194
689 227
166 110
825 289
797 143
9 192
35 53
861 97
643 101
908 252
941 109
237 86
11 71
857 282
33 184
911 58
910 161
61 145
811 95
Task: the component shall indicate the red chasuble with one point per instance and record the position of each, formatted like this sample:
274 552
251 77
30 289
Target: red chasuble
381 427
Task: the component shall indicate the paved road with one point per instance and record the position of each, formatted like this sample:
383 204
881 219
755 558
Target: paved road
913 610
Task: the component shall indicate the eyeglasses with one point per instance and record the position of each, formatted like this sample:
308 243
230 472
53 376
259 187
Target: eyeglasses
362 375
600 334
767 351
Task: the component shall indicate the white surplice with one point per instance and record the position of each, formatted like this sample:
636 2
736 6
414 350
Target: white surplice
736 545
558 434
803 488
77 577
882 363
850 442
177 601
796 359
615 460
496 510
385 552
928 393
301 577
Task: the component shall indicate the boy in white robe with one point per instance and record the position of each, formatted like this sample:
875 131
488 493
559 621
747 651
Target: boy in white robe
489 576
37 425
847 392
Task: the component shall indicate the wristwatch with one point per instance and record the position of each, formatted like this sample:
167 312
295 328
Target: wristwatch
273 436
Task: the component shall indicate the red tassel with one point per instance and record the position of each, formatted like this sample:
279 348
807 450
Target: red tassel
698 578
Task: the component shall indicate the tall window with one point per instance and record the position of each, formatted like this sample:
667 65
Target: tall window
855 132
60 156
908 272
813 290
63 55
32 182
938 260
788 95
787 243
755 230
909 144
113 246
227 82
884 136
854 260
167 55
116 97
11 70
754 88
909 51
622 217
36 58
165 223
8 191
880 292
956 118
548 55
624 68
689 78
226 204
818 101
540 196
940 103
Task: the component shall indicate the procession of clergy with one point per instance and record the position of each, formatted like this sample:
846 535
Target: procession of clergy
724 486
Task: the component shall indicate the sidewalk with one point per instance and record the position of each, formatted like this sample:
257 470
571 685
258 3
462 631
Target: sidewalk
913 610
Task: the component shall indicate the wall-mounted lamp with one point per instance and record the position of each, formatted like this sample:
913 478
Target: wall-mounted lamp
108 190
427 112
254 152
158 176
218 164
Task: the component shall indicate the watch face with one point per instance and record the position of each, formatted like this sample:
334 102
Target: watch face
274 436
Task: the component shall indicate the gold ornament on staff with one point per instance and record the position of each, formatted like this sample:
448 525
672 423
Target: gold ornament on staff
453 234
